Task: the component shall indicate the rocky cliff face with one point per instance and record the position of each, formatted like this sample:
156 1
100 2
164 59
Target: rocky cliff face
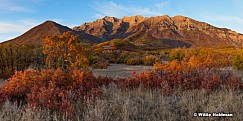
179 29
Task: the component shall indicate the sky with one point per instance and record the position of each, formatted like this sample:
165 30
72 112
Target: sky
18 16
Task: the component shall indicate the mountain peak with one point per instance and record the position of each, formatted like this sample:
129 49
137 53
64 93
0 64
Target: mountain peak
37 34
164 30
110 19
178 28
132 19
49 22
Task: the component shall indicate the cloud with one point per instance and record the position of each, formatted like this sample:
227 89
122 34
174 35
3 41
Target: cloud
231 22
9 27
9 30
117 10
20 26
161 4
7 36
9 5
224 18
18 5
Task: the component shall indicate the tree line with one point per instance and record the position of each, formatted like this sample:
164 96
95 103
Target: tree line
19 57
64 52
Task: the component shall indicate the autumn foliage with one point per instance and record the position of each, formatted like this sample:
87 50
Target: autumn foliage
64 83
58 90
19 57
53 89
65 51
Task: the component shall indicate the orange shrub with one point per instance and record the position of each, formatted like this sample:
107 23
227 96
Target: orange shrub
58 90
53 89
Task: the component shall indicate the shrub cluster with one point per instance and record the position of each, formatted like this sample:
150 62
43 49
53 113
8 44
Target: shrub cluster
58 90
238 62
52 89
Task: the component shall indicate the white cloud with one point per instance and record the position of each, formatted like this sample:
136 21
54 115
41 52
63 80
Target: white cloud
224 18
20 26
9 5
161 4
18 5
117 10
9 27
9 30
231 22
7 36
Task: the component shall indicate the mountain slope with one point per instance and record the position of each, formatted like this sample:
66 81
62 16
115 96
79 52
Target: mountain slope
179 29
37 34
146 32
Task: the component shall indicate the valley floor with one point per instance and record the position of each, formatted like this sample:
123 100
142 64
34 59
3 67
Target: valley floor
120 70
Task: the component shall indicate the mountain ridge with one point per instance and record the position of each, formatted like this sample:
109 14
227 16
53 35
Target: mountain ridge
178 28
171 32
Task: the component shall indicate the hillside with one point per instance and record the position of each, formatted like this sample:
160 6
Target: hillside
37 34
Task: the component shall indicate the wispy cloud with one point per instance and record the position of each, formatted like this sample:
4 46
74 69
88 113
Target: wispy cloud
161 5
10 5
18 5
118 10
231 22
167 7
7 36
9 27
19 26
9 30
232 19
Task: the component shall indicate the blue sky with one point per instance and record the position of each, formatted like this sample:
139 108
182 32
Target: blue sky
18 16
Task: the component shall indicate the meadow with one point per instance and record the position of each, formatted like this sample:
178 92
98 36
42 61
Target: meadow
138 105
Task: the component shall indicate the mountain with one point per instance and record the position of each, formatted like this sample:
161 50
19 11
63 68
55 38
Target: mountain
161 31
144 32
37 34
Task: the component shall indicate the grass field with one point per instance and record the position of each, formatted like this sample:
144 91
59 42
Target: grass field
140 105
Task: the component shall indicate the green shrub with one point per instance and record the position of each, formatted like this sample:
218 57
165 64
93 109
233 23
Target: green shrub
176 55
238 62
120 60
133 61
150 60
120 43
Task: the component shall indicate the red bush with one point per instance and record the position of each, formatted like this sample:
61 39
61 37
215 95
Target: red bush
53 89
200 78
58 90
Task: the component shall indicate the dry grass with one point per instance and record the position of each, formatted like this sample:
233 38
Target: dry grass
139 105
1 82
